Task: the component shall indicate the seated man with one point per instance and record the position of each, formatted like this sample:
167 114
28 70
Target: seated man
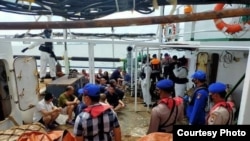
118 90
68 101
46 112
113 99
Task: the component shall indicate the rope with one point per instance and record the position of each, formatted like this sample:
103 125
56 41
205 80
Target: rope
117 5
237 84
174 5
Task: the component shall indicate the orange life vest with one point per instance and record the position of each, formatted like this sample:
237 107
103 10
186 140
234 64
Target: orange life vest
155 64
171 103
97 110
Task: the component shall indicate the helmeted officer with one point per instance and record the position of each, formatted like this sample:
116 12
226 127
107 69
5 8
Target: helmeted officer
198 101
222 111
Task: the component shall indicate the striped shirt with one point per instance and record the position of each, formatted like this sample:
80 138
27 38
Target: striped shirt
96 129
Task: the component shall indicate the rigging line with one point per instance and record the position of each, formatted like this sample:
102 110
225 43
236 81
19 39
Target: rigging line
174 5
117 6
133 5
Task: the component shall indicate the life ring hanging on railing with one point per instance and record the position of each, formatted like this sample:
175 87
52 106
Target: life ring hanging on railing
170 31
228 28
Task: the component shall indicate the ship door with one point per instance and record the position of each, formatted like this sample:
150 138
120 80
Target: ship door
26 76
5 103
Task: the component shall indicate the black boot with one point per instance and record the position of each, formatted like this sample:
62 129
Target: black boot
42 80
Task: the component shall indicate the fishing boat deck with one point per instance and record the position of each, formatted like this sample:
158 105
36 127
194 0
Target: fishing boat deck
42 86
134 124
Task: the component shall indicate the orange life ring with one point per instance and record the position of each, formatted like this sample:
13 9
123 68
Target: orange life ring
229 28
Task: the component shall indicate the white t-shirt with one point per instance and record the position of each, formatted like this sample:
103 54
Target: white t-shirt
41 105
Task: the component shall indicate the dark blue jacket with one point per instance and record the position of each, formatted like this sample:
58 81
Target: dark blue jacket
196 109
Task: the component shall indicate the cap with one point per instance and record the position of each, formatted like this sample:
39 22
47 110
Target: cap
165 84
90 90
81 90
217 87
200 75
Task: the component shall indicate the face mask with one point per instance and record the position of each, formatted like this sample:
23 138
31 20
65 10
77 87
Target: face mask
210 97
194 81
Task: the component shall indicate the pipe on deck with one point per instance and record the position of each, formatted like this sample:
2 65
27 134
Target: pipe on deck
99 59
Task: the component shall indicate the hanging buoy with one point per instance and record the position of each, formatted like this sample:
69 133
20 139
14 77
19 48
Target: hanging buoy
188 9
228 28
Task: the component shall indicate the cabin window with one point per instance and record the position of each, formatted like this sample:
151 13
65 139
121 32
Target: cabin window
5 104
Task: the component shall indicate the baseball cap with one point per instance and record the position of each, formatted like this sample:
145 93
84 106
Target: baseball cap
217 87
81 90
90 90
165 84
200 75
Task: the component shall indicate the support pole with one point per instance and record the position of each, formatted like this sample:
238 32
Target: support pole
113 45
91 63
193 25
65 56
147 88
135 78
244 113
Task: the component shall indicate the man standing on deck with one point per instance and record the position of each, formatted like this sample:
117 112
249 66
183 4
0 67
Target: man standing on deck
146 82
97 122
198 101
181 72
47 56
155 64
222 112
168 111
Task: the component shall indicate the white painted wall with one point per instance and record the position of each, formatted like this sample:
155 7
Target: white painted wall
227 73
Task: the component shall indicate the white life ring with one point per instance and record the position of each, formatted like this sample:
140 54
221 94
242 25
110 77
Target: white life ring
170 31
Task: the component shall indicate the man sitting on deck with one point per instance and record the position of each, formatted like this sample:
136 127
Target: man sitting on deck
112 98
46 112
68 101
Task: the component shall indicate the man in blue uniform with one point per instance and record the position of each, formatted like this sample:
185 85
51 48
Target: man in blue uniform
198 101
